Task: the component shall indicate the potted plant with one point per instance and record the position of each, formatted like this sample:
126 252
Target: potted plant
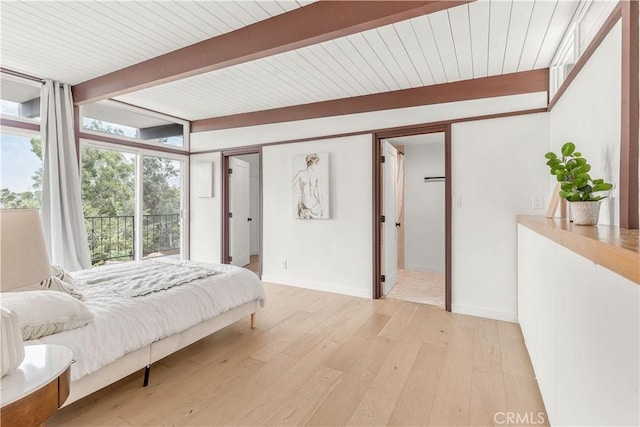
576 185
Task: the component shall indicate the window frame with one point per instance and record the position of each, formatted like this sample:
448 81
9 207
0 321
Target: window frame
26 82
576 39
186 129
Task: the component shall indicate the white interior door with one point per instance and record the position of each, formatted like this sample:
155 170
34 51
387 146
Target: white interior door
389 232
239 205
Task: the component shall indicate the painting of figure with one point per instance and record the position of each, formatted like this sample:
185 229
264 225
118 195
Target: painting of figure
311 186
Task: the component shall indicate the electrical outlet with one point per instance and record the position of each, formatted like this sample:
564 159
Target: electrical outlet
284 264
537 202
458 202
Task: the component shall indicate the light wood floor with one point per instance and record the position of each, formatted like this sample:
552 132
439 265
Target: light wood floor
326 359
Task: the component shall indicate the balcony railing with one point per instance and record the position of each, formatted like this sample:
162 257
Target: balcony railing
113 237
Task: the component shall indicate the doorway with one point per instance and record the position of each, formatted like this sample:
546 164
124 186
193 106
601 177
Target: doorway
412 213
242 209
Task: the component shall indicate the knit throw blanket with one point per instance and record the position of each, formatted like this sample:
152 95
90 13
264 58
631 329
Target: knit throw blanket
138 279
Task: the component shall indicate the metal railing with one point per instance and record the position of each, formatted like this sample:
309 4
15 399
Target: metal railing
113 237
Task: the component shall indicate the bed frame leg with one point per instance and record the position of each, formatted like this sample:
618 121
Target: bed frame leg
146 376
253 320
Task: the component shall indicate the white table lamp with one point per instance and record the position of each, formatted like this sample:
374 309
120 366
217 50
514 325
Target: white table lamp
23 254
23 261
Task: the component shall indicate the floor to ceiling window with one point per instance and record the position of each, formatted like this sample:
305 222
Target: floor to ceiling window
133 193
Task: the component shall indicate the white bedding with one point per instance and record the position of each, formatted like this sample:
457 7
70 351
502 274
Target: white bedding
124 324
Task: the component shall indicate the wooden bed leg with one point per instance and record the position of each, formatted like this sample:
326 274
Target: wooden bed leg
253 320
146 376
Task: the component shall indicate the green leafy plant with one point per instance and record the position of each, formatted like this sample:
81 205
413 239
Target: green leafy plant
572 172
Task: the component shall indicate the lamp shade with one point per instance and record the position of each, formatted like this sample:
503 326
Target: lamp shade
23 254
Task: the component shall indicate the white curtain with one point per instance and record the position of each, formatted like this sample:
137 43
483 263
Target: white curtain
62 217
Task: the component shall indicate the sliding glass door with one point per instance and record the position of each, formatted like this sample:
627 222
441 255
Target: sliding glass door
133 203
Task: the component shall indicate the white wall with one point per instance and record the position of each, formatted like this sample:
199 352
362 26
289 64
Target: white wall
237 137
424 245
333 255
205 220
588 114
254 201
497 166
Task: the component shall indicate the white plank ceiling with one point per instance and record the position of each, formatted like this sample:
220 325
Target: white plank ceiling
484 38
76 41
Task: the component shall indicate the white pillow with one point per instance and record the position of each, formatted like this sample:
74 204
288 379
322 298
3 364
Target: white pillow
43 313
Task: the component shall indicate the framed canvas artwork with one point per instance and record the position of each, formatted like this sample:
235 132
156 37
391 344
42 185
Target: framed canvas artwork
310 186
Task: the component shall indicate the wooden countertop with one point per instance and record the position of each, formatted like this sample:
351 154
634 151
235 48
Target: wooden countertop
616 249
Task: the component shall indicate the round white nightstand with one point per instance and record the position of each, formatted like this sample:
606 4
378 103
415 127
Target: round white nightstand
34 392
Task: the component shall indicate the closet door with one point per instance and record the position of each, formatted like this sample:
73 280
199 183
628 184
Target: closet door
239 207
389 231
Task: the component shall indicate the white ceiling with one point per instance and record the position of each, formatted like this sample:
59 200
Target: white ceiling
484 38
74 41
77 41
18 90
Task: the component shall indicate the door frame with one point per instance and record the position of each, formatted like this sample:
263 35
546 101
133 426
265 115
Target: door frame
226 154
377 200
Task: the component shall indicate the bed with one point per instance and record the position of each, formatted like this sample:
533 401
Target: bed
139 320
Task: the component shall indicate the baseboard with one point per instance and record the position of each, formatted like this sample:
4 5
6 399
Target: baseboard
318 286
423 268
483 312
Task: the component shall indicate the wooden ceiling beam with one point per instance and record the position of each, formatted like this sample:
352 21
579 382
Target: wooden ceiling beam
305 26
486 87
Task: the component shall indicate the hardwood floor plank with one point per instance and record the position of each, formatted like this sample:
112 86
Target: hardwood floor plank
302 403
439 327
451 404
487 353
523 397
399 322
348 354
387 307
377 403
409 341
341 403
413 406
331 322
372 327
282 340
515 359
221 409
488 398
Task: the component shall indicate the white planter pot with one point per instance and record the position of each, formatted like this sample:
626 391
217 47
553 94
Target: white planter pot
585 213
